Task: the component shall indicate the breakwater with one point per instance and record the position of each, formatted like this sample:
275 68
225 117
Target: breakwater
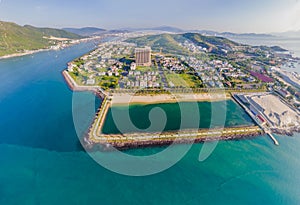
95 137
75 87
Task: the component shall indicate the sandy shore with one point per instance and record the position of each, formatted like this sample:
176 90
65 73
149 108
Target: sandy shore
24 53
125 99
74 42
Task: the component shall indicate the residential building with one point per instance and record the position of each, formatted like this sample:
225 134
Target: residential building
143 56
133 66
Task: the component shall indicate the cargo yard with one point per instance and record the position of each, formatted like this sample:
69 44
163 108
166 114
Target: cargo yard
271 112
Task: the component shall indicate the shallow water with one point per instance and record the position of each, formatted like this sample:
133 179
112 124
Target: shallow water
212 114
42 162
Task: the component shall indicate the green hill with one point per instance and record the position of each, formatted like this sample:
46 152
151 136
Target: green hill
167 42
16 39
216 45
170 43
86 31
54 32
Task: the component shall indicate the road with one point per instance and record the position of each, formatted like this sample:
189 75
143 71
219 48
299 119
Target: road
162 74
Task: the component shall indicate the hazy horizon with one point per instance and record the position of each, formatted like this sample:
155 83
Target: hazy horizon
239 16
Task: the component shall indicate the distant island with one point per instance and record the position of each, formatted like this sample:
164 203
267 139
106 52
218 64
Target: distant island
194 67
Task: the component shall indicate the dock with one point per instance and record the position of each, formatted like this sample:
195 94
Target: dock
273 138
265 130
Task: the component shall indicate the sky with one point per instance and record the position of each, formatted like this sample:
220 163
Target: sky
241 16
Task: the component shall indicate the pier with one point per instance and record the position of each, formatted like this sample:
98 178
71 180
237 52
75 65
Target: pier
273 138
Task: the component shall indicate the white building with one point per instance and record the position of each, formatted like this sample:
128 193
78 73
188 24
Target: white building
90 81
133 66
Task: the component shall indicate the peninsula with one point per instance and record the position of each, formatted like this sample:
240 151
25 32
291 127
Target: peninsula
139 68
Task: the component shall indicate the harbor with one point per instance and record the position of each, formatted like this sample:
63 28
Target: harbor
95 136
263 125
270 113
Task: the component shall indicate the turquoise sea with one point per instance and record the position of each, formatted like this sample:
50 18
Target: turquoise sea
42 161
233 116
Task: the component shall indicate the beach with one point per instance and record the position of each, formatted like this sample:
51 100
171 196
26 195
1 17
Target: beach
30 52
131 98
123 99
24 53
30 150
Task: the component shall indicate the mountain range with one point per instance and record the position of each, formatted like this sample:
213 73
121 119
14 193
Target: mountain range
170 43
17 39
171 29
92 31
160 28
289 34
86 31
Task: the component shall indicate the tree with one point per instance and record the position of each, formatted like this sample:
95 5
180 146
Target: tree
75 71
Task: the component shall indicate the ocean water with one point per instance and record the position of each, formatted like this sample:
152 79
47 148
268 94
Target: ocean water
210 116
35 103
42 161
291 44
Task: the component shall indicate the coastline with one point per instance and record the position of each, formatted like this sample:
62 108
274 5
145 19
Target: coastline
276 129
30 52
125 99
73 86
95 138
25 53
288 132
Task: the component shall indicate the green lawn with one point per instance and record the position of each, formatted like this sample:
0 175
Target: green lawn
109 82
183 80
79 79
176 80
101 69
146 68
